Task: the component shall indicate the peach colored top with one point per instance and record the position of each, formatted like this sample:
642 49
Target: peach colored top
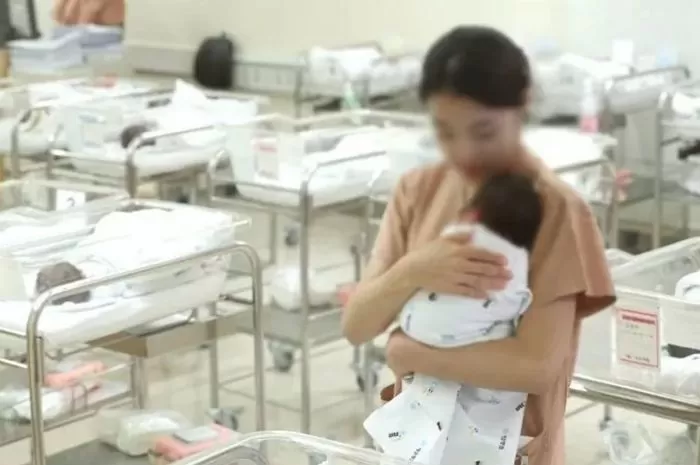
568 259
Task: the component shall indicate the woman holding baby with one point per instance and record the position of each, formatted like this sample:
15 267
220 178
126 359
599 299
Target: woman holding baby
476 84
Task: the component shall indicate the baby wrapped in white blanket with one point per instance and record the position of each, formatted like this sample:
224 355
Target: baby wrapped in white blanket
442 422
126 240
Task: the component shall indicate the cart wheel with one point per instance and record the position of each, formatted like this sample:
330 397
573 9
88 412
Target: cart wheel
361 381
604 424
291 237
233 422
226 417
317 459
282 358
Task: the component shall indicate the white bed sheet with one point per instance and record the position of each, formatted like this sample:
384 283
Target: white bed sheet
686 105
25 233
561 148
325 195
360 65
149 161
328 186
61 328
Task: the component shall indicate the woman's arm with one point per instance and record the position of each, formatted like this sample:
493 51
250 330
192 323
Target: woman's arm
377 300
528 362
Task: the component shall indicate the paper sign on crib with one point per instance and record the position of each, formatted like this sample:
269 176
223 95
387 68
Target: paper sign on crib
12 282
290 147
637 339
267 163
93 128
239 146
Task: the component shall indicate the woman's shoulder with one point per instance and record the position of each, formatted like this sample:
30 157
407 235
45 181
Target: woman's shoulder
427 176
420 186
559 197
569 253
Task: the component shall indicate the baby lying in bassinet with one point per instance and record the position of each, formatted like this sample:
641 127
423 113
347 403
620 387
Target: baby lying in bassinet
419 422
135 238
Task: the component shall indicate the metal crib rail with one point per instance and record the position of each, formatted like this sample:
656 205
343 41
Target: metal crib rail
638 400
304 213
15 157
249 446
35 342
131 172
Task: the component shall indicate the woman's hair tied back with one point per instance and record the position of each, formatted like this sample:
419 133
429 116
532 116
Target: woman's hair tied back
477 62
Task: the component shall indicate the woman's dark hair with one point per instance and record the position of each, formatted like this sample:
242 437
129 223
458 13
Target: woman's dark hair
477 62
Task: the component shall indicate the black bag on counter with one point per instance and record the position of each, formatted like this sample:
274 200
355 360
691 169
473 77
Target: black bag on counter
214 63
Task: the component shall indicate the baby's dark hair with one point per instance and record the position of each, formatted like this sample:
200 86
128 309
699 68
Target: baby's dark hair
477 62
130 133
508 204
58 274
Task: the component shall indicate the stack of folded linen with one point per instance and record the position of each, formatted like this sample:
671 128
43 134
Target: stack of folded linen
45 56
95 40
68 47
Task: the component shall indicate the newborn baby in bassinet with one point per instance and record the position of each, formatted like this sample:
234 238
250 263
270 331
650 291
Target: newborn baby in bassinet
132 238
504 217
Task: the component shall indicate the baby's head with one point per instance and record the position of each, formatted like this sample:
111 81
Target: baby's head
57 274
507 204
130 133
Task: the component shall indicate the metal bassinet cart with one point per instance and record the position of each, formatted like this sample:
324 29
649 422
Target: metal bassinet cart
631 354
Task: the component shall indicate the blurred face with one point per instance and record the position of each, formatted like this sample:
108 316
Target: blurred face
473 138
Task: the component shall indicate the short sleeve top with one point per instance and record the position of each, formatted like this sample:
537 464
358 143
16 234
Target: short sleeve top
568 259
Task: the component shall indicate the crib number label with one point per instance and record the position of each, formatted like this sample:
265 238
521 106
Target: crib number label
637 338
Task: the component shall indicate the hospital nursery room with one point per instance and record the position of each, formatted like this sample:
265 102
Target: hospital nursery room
372 232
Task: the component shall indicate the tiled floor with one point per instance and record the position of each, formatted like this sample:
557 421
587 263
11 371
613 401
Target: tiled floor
180 382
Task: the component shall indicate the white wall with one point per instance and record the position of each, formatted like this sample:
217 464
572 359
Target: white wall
591 25
44 9
280 29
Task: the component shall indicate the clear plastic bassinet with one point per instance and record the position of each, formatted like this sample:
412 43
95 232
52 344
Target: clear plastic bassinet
288 448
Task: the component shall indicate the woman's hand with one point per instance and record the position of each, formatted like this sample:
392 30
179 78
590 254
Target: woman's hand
451 265
400 351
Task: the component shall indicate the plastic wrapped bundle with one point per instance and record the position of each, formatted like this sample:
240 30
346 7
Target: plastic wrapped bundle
133 432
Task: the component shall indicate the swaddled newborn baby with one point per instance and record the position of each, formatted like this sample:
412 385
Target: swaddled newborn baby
60 273
134 237
504 217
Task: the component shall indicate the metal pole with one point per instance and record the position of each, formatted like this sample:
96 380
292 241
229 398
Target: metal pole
35 343
304 264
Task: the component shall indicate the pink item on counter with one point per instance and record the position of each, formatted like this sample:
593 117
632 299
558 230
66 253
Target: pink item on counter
74 376
167 449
